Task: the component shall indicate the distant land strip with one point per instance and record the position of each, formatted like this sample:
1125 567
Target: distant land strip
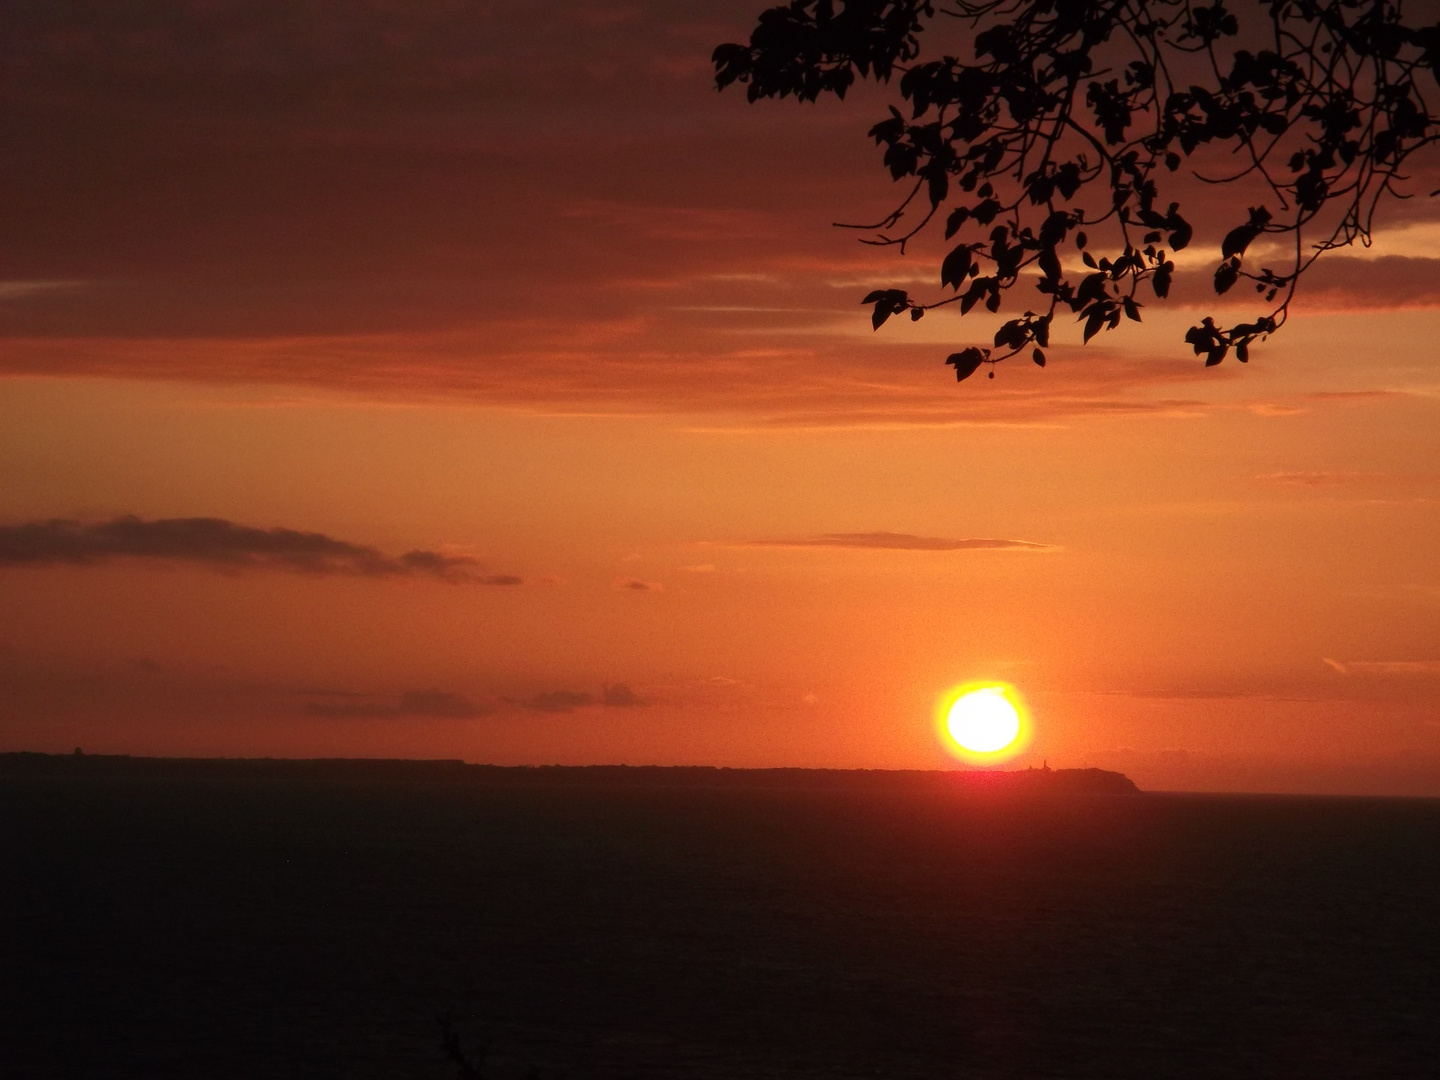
1057 781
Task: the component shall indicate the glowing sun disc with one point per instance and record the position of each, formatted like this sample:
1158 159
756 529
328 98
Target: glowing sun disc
983 721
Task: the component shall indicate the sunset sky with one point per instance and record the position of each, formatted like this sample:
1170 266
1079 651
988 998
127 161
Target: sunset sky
556 350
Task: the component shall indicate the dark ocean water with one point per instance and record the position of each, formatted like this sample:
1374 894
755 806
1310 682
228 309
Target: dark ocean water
215 928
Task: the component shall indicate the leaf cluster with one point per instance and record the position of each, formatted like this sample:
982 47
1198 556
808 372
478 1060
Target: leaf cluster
1075 114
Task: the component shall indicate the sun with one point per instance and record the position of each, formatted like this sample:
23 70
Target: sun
983 722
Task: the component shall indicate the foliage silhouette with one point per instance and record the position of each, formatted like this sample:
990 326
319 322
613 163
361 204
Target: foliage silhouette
1100 101
470 1066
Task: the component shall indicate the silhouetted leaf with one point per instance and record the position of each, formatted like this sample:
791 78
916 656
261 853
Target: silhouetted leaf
890 302
1226 274
985 212
1092 288
1094 322
1161 281
1049 263
1237 240
939 186
1180 232
973 294
956 219
966 363
1013 334
956 267
1038 357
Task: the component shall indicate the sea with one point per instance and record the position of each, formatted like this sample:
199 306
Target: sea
205 927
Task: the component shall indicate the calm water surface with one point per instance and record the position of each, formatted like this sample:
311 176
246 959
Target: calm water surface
248 928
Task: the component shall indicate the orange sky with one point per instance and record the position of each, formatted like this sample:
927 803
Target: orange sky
513 287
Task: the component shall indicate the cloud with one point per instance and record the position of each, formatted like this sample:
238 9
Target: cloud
1404 668
1193 693
351 710
649 366
1274 408
433 704
438 703
677 223
559 701
888 541
1320 478
1343 282
10 290
620 695
637 585
223 544
1316 477
500 579
1340 396
460 159
613 695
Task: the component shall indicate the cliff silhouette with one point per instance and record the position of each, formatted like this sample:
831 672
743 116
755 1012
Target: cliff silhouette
1027 781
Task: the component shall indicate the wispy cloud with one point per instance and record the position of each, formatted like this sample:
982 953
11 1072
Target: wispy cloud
1383 667
638 585
653 365
1344 282
222 544
558 701
14 290
678 223
1317 477
433 704
1201 693
890 541
1334 478
619 695
612 695
452 221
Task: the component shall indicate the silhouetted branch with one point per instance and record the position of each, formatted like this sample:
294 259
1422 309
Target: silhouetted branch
1336 88
455 1051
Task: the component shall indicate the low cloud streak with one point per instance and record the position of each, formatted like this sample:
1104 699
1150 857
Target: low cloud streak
889 541
725 381
612 695
1409 668
222 544
430 704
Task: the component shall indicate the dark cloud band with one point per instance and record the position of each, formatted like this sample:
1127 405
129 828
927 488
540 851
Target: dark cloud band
615 695
224 544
